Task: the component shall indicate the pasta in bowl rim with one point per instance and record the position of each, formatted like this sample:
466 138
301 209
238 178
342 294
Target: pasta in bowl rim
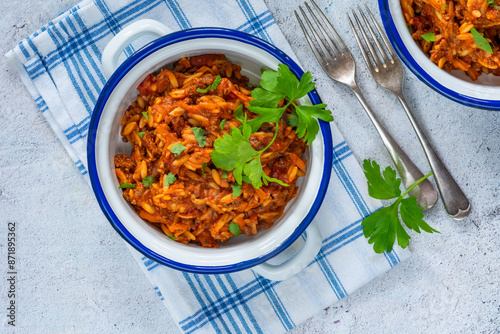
484 93
272 243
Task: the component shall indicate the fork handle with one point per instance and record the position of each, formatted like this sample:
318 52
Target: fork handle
455 202
425 193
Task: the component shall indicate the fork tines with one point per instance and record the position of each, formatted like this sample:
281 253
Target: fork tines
336 45
373 59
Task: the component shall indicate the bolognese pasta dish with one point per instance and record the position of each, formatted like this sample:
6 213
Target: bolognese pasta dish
170 177
457 34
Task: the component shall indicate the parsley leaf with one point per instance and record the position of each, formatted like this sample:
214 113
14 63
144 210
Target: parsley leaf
255 173
141 134
170 235
169 179
293 119
246 179
481 42
213 86
205 90
381 187
269 95
307 126
412 216
145 114
177 149
222 123
265 98
271 115
233 151
224 175
216 82
234 228
380 228
290 85
238 113
429 37
383 227
492 4
199 133
126 185
203 169
148 181
236 190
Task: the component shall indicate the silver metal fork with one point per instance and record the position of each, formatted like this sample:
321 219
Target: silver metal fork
339 64
388 73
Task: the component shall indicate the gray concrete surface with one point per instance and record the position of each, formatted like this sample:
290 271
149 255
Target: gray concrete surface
76 275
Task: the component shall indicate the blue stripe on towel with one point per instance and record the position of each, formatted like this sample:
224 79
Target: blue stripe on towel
251 16
275 301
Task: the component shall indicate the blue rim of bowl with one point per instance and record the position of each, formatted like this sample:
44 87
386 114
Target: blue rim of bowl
407 58
124 68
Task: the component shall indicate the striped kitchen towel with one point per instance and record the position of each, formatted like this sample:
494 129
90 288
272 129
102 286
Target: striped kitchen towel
60 66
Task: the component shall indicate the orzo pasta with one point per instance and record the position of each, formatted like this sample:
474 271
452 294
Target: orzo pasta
170 179
458 34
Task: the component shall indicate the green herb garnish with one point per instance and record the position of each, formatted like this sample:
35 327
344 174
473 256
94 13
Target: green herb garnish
444 6
199 133
148 181
203 169
383 226
127 185
145 114
283 84
171 236
141 134
429 37
224 175
216 82
238 113
203 91
177 149
169 179
236 190
213 86
234 228
492 4
233 151
481 42
222 123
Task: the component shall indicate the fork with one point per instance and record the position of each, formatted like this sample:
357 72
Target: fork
339 64
388 73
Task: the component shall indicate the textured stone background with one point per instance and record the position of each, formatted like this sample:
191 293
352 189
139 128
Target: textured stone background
76 275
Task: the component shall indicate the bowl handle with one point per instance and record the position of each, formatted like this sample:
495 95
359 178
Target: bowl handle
130 33
298 262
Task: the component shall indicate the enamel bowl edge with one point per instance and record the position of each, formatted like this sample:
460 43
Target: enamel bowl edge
483 93
104 142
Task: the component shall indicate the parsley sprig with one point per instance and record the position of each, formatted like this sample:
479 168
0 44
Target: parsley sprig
384 226
233 151
283 84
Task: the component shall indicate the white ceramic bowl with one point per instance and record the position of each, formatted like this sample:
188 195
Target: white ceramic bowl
105 141
482 93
